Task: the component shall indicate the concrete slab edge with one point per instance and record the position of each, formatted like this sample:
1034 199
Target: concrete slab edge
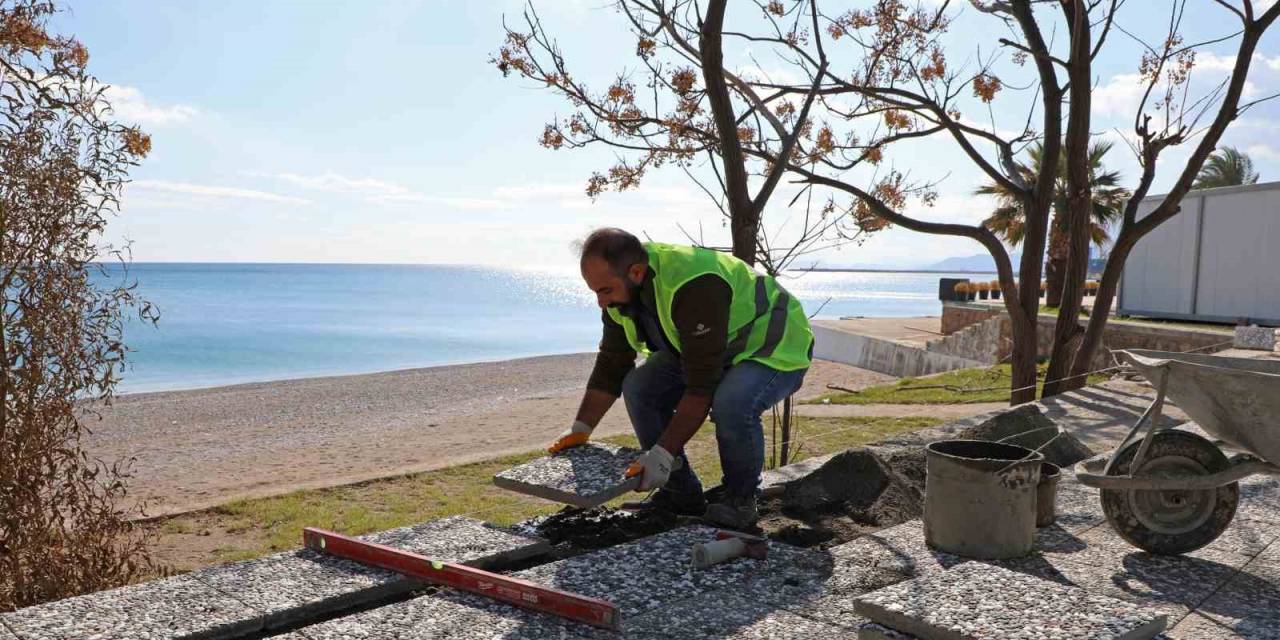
586 502
312 611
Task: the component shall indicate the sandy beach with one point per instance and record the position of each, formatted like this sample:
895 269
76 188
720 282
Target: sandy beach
199 448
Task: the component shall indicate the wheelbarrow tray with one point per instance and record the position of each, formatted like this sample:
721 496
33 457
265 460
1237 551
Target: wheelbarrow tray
1236 400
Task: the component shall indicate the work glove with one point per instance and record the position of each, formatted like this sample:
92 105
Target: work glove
654 468
574 436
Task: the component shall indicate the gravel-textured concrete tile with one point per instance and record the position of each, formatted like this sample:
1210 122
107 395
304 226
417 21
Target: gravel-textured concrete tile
298 585
1199 627
835 604
1241 542
1249 604
1260 499
900 549
980 601
1185 578
649 573
453 615
1121 584
872 631
462 539
1077 506
728 614
585 476
176 607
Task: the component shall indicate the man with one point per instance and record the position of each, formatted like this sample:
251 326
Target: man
720 339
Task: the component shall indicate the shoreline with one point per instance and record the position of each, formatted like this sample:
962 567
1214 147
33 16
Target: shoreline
198 448
341 374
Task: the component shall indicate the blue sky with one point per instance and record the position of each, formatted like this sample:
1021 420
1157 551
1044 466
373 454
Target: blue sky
326 131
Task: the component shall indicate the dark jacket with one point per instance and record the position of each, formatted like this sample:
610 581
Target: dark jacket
700 312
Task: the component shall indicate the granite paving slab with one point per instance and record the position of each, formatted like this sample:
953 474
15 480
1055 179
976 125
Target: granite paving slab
872 631
1248 606
1260 499
448 614
899 549
729 615
1119 584
299 585
649 573
1200 627
462 539
586 476
176 607
979 601
1255 337
1077 506
1241 542
832 599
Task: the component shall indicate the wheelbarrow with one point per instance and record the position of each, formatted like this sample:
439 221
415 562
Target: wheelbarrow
1170 491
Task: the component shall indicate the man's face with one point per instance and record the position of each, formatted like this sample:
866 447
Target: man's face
611 289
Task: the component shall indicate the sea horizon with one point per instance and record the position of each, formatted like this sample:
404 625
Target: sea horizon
227 323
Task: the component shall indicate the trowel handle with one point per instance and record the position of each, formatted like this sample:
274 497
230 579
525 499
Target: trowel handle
706 554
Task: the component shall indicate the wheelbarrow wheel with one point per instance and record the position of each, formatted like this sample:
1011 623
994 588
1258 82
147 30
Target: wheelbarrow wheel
1171 522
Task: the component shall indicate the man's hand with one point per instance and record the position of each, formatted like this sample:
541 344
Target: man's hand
654 468
574 436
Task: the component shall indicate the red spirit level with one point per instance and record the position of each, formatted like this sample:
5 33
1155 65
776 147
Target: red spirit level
514 591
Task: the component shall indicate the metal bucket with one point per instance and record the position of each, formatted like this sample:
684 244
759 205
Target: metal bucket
980 498
1047 494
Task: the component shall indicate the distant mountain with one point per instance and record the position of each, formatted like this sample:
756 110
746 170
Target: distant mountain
980 263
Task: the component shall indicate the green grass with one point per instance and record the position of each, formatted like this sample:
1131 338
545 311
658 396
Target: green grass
1053 311
963 386
251 528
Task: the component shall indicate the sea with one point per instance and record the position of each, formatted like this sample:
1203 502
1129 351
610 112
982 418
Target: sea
224 324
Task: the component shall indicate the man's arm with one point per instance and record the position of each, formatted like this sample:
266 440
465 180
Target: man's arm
700 312
614 361
595 403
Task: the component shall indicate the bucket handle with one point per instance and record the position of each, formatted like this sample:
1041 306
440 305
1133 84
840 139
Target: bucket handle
1033 451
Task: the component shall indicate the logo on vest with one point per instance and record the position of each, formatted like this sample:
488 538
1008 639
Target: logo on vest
701 330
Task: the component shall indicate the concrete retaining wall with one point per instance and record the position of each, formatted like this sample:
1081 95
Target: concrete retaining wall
978 342
991 340
883 356
959 315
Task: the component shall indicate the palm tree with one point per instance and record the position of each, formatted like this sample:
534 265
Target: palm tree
1108 198
1226 167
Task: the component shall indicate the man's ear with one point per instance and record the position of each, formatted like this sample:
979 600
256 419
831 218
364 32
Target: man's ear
636 272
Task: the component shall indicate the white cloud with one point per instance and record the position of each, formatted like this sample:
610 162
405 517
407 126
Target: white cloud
504 198
753 73
960 209
130 105
210 191
1119 96
1263 151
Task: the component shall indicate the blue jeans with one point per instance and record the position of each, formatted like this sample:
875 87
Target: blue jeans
748 389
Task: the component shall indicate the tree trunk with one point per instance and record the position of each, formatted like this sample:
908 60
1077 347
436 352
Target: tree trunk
1022 361
1055 268
1102 300
1067 331
785 449
744 220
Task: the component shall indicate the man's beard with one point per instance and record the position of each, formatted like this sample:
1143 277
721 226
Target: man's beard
631 309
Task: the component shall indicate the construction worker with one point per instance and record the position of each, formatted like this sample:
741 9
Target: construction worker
719 338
